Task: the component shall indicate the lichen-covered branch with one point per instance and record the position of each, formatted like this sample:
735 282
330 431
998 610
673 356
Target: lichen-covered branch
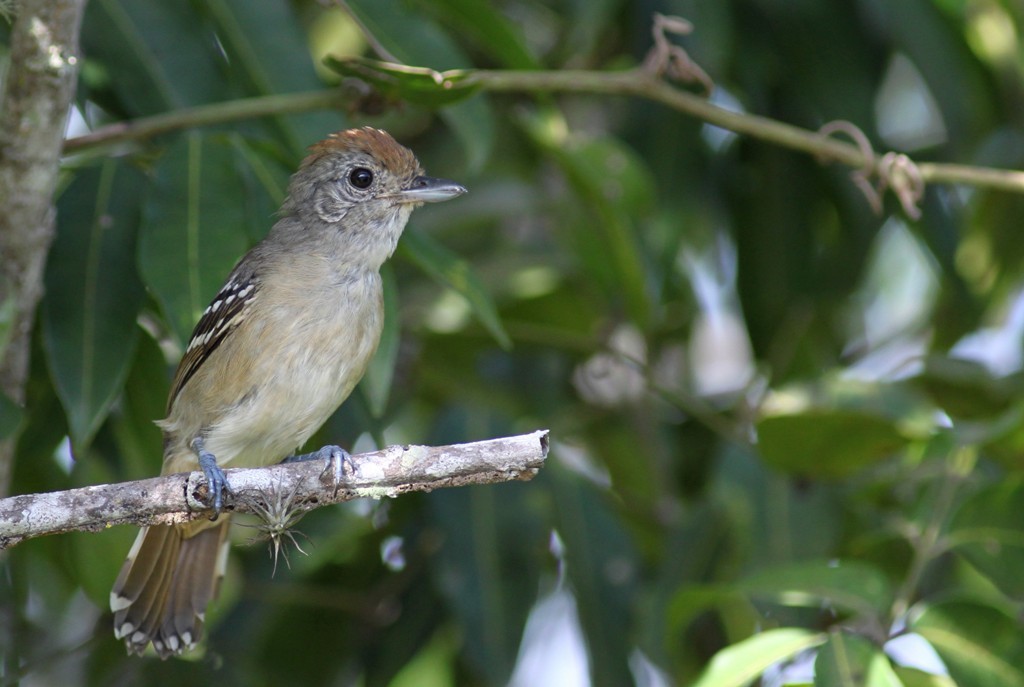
181 497
38 89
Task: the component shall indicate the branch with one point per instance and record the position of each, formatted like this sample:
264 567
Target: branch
181 497
637 83
38 87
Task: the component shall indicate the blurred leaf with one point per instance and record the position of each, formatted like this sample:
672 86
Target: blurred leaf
600 563
853 585
164 59
93 294
488 29
418 42
826 444
912 677
418 85
777 519
432 666
381 372
741 663
980 645
145 400
8 310
988 530
691 600
11 416
615 188
491 588
847 660
267 51
454 272
966 389
192 236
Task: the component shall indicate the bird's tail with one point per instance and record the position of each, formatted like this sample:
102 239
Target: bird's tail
171 574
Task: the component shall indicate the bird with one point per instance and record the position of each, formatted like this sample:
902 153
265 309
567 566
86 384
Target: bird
278 349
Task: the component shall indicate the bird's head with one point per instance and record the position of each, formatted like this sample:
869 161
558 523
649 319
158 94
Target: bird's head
360 186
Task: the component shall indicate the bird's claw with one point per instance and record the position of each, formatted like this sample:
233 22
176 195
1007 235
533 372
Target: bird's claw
335 459
216 480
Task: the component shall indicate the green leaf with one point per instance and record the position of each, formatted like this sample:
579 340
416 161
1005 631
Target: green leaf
981 646
139 440
488 29
614 188
741 663
193 233
454 272
599 562
415 40
966 389
826 443
489 589
268 53
912 677
8 311
691 600
11 416
848 660
853 585
418 85
164 58
93 294
381 372
988 530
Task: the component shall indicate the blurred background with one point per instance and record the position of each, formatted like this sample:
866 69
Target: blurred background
786 430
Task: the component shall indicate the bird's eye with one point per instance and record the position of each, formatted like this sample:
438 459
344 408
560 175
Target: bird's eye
360 177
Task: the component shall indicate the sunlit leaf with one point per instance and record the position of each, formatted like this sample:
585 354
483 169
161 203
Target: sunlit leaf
912 677
980 645
847 660
988 530
741 663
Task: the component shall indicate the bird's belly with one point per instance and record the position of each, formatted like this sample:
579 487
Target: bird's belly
296 396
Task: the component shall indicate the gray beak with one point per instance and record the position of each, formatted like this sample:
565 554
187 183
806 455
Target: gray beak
430 190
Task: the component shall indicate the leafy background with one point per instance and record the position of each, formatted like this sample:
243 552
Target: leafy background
786 431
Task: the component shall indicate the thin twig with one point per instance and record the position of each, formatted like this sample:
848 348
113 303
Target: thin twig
145 128
634 83
179 498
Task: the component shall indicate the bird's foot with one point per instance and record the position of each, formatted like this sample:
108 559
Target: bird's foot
335 459
216 481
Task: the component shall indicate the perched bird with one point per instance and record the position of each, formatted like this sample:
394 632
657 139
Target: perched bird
278 349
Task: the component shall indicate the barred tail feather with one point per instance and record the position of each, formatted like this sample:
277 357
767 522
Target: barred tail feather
171 575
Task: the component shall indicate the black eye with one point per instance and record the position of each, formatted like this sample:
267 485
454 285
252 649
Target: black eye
360 177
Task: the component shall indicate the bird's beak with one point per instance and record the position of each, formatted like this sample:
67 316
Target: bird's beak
430 190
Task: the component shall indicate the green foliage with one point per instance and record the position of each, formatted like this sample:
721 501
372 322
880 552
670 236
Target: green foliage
785 431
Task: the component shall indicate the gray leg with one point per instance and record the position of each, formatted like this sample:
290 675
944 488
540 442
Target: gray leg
335 458
216 482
